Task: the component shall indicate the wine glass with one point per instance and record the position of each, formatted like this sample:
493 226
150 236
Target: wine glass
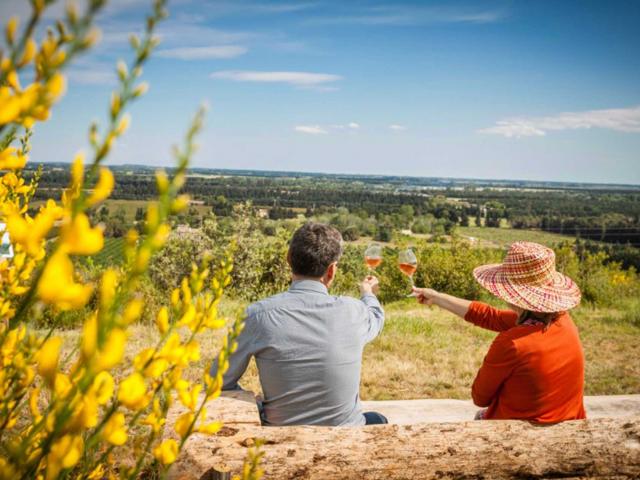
408 264
373 256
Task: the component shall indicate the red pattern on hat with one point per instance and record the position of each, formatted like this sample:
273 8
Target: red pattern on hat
528 279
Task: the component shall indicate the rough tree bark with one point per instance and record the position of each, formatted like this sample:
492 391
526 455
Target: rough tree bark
599 448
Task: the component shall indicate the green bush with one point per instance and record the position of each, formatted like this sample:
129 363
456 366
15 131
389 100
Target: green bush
439 267
260 266
450 269
602 282
184 247
351 271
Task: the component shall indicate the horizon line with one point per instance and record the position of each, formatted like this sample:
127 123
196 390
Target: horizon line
366 175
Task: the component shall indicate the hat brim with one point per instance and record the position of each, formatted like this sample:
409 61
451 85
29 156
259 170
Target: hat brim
559 295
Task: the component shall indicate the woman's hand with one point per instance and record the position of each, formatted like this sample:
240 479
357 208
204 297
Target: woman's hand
425 296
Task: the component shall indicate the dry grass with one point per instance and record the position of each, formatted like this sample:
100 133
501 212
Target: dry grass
428 353
422 353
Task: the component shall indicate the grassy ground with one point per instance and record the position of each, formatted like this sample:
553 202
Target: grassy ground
503 237
428 353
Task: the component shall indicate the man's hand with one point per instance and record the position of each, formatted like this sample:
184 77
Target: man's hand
425 296
369 285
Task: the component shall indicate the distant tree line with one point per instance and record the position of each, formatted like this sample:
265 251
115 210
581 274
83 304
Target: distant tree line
378 207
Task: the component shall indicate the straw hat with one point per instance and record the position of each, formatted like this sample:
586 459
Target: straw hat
529 280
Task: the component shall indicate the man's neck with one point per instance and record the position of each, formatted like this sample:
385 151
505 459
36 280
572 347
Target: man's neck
297 278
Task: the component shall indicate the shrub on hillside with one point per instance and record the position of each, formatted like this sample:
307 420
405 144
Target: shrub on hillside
183 247
440 267
602 282
261 265
351 270
450 269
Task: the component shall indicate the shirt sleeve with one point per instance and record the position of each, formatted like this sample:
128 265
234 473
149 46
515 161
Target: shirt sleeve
239 360
491 318
374 316
497 366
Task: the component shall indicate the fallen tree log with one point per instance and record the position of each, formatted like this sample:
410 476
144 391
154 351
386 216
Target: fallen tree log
599 448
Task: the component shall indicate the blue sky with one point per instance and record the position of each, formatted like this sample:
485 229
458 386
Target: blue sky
545 90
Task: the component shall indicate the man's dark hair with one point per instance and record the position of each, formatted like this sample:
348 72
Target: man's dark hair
313 248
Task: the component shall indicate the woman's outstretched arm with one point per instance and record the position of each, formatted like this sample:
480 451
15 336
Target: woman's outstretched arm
455 305
478 313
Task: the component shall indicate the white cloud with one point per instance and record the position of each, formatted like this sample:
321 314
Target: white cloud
618 119
351 127
513 128
200 53
181 31
348 126
92 77
397 128
186 33
92 71
310 129
296 79
276 8
411 15
219 8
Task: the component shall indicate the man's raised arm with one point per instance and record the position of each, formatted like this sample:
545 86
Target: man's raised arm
374 311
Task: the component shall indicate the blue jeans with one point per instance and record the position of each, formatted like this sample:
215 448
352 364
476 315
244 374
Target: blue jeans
371 418
375 418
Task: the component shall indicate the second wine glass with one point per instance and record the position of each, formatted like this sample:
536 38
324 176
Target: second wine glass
408 264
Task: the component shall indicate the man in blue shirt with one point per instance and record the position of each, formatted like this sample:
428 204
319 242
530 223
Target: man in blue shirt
308 344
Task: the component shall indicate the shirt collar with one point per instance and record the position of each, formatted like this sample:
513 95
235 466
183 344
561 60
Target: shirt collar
308 286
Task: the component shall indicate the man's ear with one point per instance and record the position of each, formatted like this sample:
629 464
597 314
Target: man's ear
332 270
289 257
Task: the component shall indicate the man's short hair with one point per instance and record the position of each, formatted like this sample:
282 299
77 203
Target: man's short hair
314 247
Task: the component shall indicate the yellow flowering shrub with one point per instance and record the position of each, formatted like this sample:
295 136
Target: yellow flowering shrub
67 416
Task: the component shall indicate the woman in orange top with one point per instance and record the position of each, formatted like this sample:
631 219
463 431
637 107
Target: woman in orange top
534 369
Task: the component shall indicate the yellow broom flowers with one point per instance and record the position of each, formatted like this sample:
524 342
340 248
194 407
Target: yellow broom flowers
11 159
103 188
57 286
64 453
167 452
133 392
78 237
64 412
115 431
48 357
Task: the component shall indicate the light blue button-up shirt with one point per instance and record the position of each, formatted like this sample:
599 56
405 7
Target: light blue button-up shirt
308 348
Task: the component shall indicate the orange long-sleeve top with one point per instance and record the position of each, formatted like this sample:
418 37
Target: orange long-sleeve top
529 373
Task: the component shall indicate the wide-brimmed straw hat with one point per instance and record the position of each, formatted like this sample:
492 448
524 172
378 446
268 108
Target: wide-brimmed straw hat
529 280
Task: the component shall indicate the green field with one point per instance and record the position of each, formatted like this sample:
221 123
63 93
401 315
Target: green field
503 237
111 254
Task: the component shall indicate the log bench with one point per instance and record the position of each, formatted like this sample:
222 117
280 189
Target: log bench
426 439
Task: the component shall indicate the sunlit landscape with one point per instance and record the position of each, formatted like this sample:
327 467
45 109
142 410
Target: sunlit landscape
164 166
